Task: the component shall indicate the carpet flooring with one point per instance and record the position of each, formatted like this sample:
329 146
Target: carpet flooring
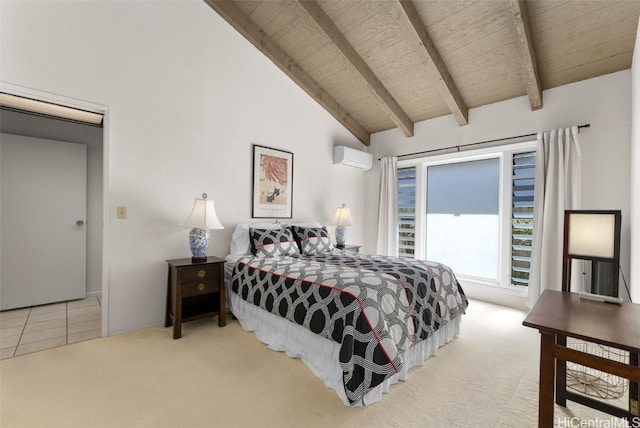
224 377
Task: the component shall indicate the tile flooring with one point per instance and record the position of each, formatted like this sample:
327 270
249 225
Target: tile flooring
40 327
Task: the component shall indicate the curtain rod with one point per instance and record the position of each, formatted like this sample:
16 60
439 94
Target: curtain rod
587 125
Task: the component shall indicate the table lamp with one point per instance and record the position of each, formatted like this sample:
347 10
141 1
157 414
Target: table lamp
202 218
592 235
342 219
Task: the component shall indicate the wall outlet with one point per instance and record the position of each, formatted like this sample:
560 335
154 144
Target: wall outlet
121 212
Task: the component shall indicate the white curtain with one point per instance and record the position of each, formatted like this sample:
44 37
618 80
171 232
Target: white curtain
557 188
388 208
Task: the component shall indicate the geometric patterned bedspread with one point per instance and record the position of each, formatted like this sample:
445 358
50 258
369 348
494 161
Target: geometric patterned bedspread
374 307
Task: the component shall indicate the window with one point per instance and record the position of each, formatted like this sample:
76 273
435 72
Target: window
524 168
472 211
406 211
463 227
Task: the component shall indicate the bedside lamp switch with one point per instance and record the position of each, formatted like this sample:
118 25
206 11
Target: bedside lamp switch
121 212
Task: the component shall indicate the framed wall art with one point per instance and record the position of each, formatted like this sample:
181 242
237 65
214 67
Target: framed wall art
272 183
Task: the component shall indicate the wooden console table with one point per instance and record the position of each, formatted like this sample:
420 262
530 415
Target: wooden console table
558 315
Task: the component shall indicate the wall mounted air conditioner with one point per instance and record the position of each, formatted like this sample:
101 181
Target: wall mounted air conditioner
343 155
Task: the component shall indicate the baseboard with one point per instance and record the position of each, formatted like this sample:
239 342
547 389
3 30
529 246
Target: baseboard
513 299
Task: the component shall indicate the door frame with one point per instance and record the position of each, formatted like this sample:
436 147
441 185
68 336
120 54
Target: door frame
18 90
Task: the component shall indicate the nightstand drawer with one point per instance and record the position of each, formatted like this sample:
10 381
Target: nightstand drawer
202 287
200 275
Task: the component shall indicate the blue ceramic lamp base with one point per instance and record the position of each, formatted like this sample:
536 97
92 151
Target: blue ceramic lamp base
199 242
341 235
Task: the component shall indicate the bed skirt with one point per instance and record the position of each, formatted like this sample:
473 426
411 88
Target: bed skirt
321 355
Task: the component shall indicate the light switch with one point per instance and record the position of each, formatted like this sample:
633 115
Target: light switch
121 212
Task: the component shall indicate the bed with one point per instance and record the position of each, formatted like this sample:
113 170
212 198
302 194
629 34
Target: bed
358 321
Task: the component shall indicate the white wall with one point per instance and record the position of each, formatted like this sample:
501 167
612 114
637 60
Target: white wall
604 102
635 173
187 96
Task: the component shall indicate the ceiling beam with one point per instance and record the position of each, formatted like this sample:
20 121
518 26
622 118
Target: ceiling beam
381 94
520 26
447 87
245 26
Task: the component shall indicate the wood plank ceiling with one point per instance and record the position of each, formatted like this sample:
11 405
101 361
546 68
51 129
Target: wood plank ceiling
381 64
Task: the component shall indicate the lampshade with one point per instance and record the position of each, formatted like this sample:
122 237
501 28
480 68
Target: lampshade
203 215
343 217
592 235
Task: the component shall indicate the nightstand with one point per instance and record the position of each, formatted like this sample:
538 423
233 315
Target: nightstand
194 290
352 248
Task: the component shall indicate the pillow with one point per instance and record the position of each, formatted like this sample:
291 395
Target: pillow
272 242
240 242
312 240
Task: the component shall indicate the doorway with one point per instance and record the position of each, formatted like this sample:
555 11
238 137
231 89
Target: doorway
18 123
